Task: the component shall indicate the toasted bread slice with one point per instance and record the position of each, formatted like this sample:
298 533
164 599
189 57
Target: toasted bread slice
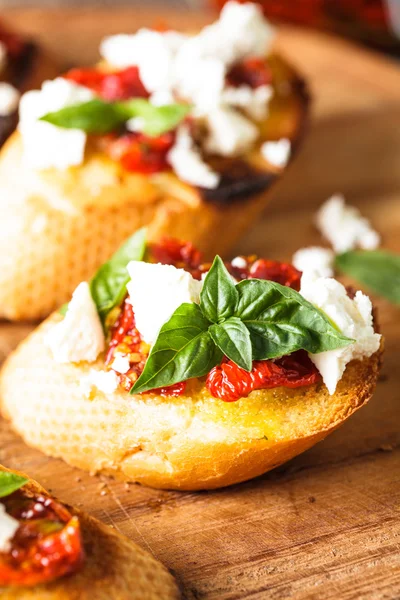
115 568
58 227
190 442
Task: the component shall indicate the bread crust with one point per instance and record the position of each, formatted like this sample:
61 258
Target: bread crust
58 227
191 442
115 568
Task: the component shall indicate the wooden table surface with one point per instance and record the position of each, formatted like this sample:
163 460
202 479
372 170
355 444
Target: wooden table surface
326 525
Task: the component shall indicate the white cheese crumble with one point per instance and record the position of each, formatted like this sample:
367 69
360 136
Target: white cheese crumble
253 101
8 528
79 336
344 226
352 317
277 153
156 291
151 51
120 363
105 381
45 145
239 262
9 99
315 259
229 132
187 162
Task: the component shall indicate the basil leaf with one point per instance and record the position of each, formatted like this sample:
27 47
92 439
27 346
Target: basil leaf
10 482
218 297
281 321
233 339
157 119
95 116
183 349
108 286
99 117
379 270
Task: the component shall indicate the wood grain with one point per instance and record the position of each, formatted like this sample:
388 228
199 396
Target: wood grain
326 525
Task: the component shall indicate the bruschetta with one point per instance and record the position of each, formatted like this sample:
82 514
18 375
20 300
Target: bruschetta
181 374
50 551
182 134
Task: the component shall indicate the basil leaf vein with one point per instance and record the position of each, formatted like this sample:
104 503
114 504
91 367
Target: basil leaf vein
10 482
280 321
379 270
219 296
233 339
183 349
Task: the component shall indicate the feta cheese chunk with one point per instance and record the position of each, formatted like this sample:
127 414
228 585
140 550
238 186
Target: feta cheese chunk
105 381
9 99
45 145
253 101
79 336
277 153
120 363
229 132
153 52
8 528
344 226
187 163
315 259
156 291
352 317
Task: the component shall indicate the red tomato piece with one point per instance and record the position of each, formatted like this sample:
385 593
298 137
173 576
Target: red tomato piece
228 382
251 71
111 86
47 545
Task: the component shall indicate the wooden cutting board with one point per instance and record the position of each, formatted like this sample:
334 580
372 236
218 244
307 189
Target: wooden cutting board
326 525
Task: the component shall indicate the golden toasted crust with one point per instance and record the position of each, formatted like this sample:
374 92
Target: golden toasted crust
58 227
115 568
191 442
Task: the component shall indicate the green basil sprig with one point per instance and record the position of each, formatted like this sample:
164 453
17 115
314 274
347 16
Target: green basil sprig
108 286
100 117
10 482
379 270
253 320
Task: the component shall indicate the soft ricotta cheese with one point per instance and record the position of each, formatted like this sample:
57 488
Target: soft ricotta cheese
239 262
46 145
104 381
9 99
8 527
186 161
352 317
253 101
315 259
277 153
344 226
79 336
229 132
156 291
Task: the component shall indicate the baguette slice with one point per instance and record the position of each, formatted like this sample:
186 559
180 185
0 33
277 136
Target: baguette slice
191 442
115 568
58 227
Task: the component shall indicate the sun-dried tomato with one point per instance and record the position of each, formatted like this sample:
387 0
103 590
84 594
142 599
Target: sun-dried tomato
272 270
139 152
228 382
47 544
111 86
251 71
174 252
